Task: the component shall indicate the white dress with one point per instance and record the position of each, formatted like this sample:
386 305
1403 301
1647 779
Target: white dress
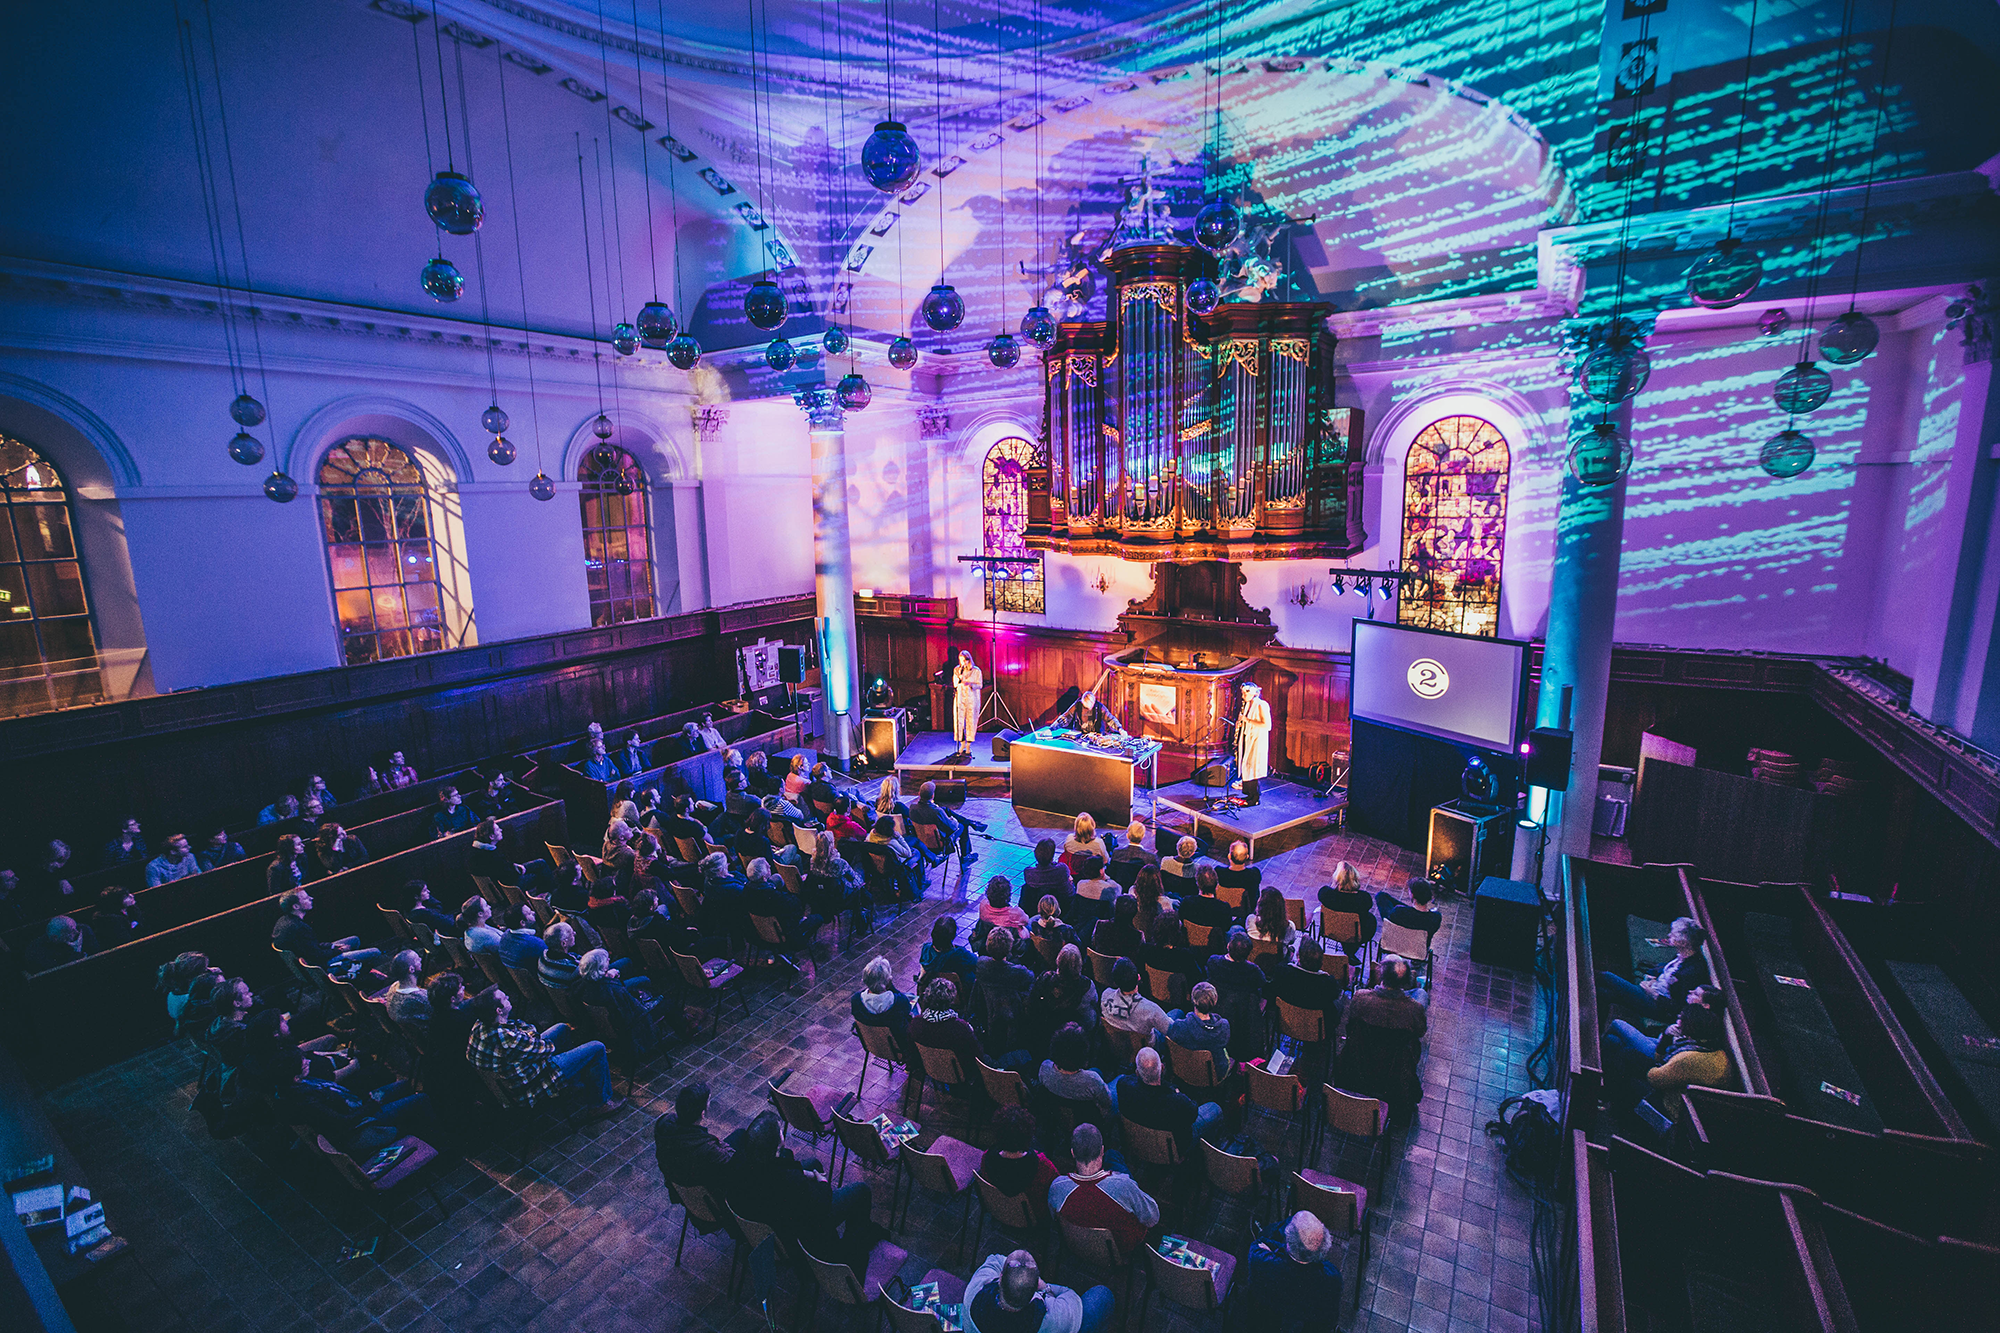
966 684
1253 741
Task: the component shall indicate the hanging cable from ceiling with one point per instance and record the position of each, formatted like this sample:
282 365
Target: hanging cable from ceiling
1728 273
601 427
1038 326
1004 352
655 325
683 350
1850 337
764 304
943 309
451 199
494 420
540 487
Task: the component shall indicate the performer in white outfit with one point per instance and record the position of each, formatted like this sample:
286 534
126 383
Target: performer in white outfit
966 683
1253 742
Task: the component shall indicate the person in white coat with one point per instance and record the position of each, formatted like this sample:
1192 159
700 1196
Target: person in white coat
1253 742
966 682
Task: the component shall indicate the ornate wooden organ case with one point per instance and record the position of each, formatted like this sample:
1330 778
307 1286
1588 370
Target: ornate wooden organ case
1174 436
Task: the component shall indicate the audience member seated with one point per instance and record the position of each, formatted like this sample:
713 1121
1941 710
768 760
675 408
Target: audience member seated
1067 1073
1084 838
833 884
178 861
408 1000
1167 948
372 784
1047 927
1182 862
1047 875
445 1071
49 885
358 1124
557 965
690 739
1415 911
878 1004
842 823
652 916
1346 895
1061 995
820 792
335 849
1690 1051
399 773
1304 983
711 736
1385 1030
1006 1294
679 825
521 942
938 1024
1202 1028
888 798
793 786
1099 1196
1293 1279
1002 986
288 868
175 979
599 766
764 894
1203 908
501 797
687 1153
449 815
952 825
1119 937
1270 924
1125 1008
1012 1165
292 934
1144 1098
1094 893
1239 873
998 909
128 844
722 912
737 802
117 918
765 1183
638 1015
1663 994
1146 888
420 909
474 923
758 776
199 1011
61 941
269 1054
1241 987
527 1065
905 862
311 812
1137 846
636 758
227 1034
944 956
219 850
280 810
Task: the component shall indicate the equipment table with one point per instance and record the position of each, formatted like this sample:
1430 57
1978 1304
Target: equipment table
1064 773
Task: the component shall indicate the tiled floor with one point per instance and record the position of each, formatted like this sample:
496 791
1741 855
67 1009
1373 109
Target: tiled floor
243 1234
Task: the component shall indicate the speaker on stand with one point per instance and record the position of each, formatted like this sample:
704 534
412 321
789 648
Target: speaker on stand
791 674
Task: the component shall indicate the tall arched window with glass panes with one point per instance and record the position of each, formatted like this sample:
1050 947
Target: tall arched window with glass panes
617 536
394 548
1454 526
1003 492
48 647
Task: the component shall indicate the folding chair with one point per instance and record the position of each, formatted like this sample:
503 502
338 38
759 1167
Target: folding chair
951 1291
1356 1118
1200 1290
1023 1215
725 979
808 1112
1343 1206
1406 942
877 1044
1192 1069
947 1167
840 1283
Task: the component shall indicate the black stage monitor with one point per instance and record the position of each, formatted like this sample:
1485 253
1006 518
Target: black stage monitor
1461 688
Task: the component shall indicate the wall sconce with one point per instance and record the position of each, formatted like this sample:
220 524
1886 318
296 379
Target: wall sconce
1102 583
1306 594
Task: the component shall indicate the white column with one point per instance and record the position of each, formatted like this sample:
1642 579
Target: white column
833 573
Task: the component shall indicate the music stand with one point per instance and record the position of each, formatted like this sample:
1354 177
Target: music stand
1006 567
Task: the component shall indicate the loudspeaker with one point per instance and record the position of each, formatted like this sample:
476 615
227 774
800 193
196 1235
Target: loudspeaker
1546 762
883 737
950 791
791 665
1003 743
1506 923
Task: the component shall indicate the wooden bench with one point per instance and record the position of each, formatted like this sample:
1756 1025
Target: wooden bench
698 775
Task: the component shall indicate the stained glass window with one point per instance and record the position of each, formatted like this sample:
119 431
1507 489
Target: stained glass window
1454 521
1003 493
48 650
391 532
617 536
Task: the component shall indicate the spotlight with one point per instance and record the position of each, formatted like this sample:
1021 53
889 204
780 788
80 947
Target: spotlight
1339 585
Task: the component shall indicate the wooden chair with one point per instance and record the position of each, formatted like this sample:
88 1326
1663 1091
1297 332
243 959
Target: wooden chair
398 926
562 858
932 839
528 989
726 980
706 1213
877 1044
1150 1147
808 1112
1100 967
1178 886
1343 928
940 1066
1233 895
807 841
754 1234
1022 1215
860 1139
1277 1094
769 933
947 1168
1199 1290
1305 1026
1094 1247
592 866
790 874
1343 1206
689 900
416 1156
1338 965
1229 1173
1363 1119
1007 1087
1123 1045
688 849
1046 948
1295 912
461 958
489 964
1262 949
1407 942
1192 1069
841 1284
951 1291
1198 937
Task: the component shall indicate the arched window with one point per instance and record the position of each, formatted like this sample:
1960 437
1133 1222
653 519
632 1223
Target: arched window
48 650
392 540
1454 524
617 536
1003 492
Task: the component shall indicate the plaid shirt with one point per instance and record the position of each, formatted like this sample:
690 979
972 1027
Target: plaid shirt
518 1056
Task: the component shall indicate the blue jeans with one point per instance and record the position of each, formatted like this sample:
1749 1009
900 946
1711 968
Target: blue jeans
1614 989
1628 1053
1206 1117
587 1067
1098 1305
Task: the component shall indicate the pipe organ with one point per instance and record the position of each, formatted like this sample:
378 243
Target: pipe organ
1175 436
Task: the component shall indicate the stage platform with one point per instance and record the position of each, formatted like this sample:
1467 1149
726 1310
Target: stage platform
922 760
1284 806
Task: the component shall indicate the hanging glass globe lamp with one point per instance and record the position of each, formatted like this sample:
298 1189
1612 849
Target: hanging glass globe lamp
601 427
1773 322
764 304
246 411
656 325
1727 273
442 280
1038 326
1202 296
944 308
1003 351
834 340
902 353
1801 389
541 487
454 204
1614 372
1849 338
1600 456
624 339
494 420
684 351
1786 454
779 355
853 392
889 159
603 457
246 449
1216 225
501 451
281 488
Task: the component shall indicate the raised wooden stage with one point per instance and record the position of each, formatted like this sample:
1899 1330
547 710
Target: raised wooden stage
1284 805
922 760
